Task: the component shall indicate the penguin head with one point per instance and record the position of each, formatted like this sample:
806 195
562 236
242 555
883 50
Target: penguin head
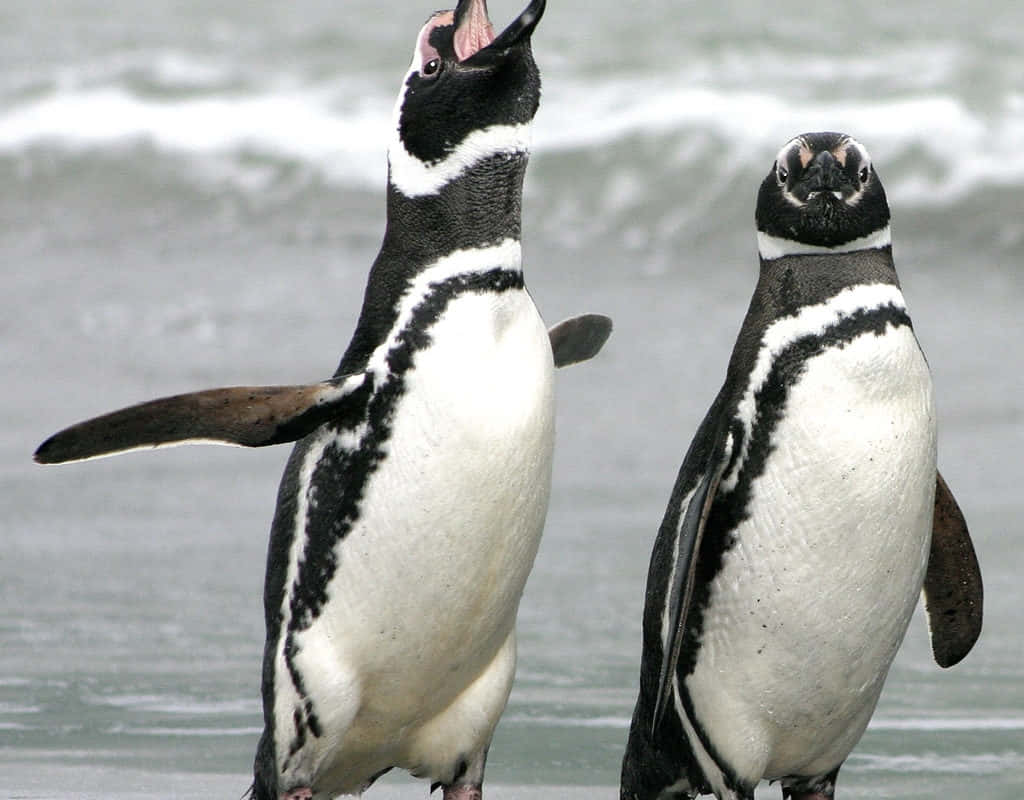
468 95
822 193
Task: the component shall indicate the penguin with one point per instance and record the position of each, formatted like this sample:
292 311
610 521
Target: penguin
808 513
411 508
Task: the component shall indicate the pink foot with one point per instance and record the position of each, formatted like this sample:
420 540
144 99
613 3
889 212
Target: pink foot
463 791
305 793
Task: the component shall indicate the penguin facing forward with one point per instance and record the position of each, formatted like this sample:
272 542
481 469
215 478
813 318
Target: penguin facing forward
808 513
411 509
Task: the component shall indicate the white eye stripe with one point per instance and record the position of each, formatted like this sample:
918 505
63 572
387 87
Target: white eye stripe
415 174
861 149
782 158
852 156
862 152
799 145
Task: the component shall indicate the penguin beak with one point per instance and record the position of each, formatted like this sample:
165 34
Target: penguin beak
824 175
474 34
473 30
522 26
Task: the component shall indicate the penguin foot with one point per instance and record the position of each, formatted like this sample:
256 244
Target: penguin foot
463 791
823 789
302 793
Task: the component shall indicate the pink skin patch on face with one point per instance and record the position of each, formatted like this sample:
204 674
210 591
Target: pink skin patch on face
840 153
426 50
806 154
475 32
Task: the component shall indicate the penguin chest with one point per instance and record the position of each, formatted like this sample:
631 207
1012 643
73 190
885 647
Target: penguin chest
820 578
460 501
429 576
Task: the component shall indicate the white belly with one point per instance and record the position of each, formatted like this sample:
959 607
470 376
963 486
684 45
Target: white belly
424 599
815 596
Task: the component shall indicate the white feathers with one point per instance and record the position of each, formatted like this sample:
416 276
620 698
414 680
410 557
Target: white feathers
137 447
712 771
771 247
507 254
862 151
814 596
803 148
809 320
797 155
421 609
416 178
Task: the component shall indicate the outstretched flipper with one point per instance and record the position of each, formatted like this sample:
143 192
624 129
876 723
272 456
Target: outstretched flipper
247 416
579 338
257 416
952 586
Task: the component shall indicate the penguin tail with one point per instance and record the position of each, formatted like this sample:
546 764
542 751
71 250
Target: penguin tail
647 772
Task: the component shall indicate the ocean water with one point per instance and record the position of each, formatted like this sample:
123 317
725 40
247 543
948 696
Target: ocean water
191 196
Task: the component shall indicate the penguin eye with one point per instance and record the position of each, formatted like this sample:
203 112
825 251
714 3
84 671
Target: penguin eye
863 174
431 68
782 173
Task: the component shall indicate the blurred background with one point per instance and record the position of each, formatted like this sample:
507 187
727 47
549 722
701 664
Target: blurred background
191 194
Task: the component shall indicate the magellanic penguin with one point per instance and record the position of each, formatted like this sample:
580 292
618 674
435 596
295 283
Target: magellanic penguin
807 514
412 506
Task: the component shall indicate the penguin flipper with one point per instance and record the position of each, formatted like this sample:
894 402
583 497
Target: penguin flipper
691 531
579 338
953 590
247 416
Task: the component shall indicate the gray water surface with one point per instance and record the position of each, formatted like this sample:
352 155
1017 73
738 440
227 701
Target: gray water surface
192 194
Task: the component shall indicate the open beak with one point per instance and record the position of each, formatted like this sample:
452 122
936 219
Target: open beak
474 33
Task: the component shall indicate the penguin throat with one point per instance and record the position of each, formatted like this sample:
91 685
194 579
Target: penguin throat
771 247
481 206
415 177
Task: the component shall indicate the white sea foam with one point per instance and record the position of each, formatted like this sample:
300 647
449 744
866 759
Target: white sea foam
935 763
949 724
931 148
346 144
174 704
546 721
956 148
199 732
921 724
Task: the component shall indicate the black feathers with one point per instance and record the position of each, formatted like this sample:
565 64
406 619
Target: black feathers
822 191
498 86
